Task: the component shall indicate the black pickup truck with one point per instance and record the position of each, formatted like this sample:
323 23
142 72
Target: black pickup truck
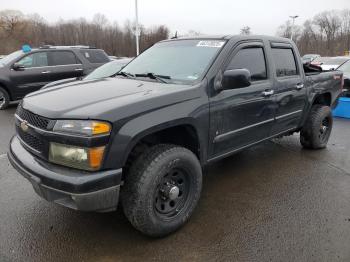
145 134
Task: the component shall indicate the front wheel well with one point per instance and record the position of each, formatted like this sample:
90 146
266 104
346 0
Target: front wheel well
182 135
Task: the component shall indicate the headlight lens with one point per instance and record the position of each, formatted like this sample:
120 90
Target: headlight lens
76 157
82 127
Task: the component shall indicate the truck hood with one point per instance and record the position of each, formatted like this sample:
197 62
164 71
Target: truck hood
108 99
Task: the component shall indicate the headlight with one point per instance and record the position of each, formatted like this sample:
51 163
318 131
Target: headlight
82 127
76 157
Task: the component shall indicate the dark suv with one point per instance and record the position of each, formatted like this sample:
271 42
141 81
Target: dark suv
23 72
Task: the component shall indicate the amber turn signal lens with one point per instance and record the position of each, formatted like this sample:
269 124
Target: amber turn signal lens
99 128
96 156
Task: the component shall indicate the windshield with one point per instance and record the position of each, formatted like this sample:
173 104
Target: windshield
7 59
107 70
180 61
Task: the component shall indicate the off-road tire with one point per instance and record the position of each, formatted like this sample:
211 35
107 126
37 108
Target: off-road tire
311 136
142 183
4 99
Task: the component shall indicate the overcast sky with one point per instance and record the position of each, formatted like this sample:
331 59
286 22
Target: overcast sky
205 16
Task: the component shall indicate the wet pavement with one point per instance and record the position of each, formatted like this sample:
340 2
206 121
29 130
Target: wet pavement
272 202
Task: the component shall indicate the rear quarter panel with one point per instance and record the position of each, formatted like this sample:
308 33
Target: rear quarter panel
318 84
326 82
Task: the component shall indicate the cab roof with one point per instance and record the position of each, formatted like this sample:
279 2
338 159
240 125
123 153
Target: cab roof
237 37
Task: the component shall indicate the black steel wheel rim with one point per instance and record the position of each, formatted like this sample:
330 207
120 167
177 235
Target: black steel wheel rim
324 129
172 193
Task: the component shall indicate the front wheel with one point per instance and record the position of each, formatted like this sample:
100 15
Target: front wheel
162 189
317 128
4 99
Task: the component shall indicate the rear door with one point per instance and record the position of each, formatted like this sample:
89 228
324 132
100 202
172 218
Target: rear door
64 64
290 92
34 75
94 57
243 116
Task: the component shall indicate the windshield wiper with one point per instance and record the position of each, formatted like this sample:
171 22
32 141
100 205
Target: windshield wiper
126 74
160 78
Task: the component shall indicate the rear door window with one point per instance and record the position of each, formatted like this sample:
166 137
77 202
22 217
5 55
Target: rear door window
95 56
285 63
63 58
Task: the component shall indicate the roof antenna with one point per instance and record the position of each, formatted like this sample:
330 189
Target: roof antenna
175 36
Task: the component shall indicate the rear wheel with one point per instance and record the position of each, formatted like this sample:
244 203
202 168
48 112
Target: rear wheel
162 189
317 128
4 99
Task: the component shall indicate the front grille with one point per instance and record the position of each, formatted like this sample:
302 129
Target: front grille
33 119
31 141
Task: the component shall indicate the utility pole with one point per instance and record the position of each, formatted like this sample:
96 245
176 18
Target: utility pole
293 18
137 30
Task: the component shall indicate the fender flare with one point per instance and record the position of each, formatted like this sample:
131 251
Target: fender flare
170 124
123 142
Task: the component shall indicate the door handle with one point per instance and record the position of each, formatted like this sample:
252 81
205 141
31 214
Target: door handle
299 86
78 69
45 72
268 93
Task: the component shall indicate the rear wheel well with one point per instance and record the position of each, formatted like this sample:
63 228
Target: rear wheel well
183 135
323 99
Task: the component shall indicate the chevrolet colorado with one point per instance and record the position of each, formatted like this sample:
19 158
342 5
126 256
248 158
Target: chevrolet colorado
144 135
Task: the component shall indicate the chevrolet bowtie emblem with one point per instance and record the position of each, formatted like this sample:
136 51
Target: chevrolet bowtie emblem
24 126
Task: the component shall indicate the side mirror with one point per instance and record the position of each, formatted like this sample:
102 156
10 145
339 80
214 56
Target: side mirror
18 67
236 78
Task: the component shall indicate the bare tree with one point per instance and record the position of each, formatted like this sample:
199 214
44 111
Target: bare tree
11 20
345 28
245 30
17 29
329 23
285 30
328 33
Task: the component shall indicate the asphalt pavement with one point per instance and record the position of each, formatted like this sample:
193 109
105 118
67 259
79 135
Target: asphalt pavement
272 202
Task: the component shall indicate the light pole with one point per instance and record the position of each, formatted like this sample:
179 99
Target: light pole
293 18
137 30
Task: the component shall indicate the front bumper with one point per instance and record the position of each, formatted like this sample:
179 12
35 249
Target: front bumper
80 190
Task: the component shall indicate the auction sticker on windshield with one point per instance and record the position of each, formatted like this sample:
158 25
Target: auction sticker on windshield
211 43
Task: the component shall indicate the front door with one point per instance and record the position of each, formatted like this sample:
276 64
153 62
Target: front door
34 75
243 116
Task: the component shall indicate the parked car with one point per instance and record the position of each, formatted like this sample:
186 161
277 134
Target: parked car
308 58
345 68
144 136
28 70
330 63
106 70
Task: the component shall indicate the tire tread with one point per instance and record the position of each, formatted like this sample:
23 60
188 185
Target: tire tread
135 186
308 134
